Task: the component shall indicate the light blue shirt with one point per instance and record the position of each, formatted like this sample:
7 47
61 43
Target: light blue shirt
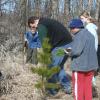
92 28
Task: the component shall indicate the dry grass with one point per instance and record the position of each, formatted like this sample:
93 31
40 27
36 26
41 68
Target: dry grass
18 81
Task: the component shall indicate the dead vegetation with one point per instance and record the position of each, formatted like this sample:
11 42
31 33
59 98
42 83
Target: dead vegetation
17 81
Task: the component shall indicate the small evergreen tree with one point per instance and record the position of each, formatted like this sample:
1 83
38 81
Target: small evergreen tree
45 73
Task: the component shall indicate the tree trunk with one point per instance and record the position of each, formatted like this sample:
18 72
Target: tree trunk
37 7
97 15
66 11
54 10
0 9
23 17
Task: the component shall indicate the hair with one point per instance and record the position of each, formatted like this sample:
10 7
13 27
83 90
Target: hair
32 20
87 15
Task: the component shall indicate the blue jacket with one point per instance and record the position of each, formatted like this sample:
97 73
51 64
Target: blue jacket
33 39
84 56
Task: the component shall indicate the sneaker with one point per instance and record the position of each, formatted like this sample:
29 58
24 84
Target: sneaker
94 92
68 91
59 95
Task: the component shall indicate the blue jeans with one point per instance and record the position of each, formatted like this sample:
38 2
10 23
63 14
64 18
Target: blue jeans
61 76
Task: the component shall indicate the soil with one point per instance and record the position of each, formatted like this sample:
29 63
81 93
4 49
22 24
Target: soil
18 81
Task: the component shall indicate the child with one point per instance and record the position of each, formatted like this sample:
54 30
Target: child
84 60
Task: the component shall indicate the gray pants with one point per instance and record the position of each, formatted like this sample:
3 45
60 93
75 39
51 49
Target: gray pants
32 56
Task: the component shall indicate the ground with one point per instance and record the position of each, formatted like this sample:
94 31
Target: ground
18 81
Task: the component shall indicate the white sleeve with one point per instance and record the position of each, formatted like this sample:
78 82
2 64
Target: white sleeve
25 39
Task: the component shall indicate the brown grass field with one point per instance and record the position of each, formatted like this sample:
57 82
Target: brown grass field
18 81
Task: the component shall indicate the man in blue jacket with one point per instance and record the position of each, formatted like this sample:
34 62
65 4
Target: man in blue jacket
32 39
58 36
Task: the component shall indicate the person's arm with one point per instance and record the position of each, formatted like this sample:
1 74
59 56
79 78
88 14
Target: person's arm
77 45
68 51
25 42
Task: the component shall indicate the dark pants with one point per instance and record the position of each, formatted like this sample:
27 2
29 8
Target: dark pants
98 53
32 56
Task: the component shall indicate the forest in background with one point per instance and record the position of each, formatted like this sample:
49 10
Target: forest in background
14 13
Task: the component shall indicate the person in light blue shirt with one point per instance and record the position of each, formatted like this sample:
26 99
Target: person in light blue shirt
92 28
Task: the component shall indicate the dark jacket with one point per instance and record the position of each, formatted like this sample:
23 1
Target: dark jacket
56 32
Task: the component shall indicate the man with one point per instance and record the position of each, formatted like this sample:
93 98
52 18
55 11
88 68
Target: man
58 36
33 41
84 60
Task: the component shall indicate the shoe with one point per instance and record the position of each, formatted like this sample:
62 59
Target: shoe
94 92
59 95
52 92
68 92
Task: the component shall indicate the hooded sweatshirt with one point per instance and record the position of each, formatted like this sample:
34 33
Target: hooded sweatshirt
92 28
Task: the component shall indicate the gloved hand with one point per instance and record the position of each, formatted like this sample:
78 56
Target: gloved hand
68 51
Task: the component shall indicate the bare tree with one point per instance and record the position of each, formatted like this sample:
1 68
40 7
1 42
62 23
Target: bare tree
97 15
90 4
47 9
80 6
61 10
66 11
37 9
23 17
55 8
0 9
